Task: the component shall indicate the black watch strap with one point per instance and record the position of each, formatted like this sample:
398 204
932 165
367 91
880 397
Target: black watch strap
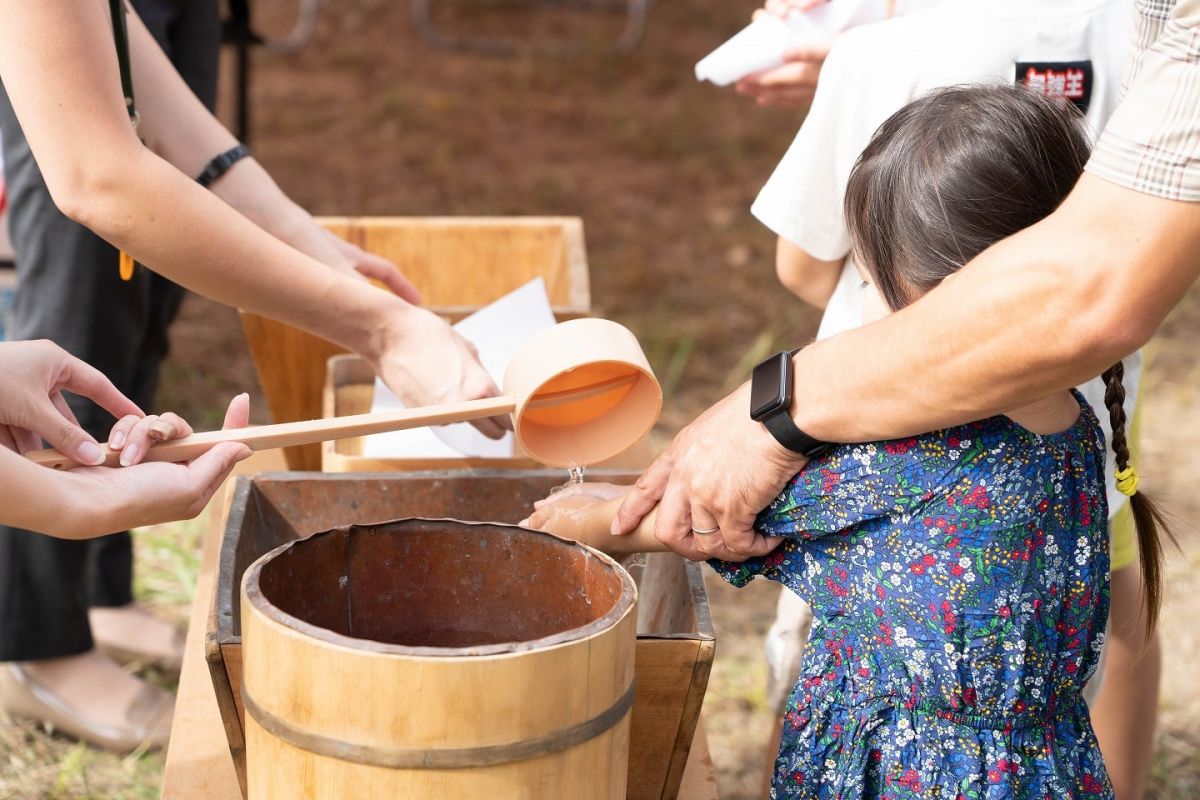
787 434
214 169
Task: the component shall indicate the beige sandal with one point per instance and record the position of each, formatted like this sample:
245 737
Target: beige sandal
170 664
147 720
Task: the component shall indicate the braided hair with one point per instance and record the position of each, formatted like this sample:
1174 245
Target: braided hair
1146 517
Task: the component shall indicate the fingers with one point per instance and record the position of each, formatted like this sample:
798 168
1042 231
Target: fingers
572 518
84 379
781 8
784 98
387 273
491 427
796 75
25 440
599 491
238 413
644 496
540 520
170 426
674 524
60 403
6 439
778 8
738 541
63 434
120 432
208 471
813 55
144 432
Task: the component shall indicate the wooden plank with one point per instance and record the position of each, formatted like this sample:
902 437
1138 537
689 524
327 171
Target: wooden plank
198 763
689 717
664 677
700 777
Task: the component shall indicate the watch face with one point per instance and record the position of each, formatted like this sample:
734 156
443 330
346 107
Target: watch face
769 386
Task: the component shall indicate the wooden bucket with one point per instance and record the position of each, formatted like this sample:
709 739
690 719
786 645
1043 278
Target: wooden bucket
437 659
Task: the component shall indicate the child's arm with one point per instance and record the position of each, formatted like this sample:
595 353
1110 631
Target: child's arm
586 516
807 277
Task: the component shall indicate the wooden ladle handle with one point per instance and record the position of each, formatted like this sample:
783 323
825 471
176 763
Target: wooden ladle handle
290 434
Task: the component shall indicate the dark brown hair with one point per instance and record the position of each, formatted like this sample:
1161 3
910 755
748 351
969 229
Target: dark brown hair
956 171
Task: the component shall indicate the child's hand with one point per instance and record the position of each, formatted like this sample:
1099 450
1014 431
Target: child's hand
599 491
564 513
584 512
568 517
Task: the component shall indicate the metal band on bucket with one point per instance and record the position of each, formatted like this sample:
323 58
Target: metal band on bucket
440 758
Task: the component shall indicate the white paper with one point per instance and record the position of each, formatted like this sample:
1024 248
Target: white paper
762 44
497 331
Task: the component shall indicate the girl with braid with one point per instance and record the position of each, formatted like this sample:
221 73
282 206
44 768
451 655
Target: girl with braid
960 578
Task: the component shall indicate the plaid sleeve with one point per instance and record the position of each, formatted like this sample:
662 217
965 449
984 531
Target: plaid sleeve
1152 142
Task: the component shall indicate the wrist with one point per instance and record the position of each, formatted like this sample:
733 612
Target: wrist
84 509
762 442
806 410
378 321
772 398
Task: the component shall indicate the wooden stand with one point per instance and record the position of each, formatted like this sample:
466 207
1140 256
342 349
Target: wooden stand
199 764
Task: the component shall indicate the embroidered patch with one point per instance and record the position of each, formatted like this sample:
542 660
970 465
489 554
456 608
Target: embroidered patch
1069 79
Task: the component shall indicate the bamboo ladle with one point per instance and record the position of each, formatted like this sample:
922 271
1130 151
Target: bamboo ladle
578 393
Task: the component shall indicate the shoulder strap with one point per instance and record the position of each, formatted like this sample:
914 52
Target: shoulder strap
121 37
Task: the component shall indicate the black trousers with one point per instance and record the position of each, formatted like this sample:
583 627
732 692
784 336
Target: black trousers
69 291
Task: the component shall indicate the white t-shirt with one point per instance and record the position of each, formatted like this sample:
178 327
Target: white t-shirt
874 70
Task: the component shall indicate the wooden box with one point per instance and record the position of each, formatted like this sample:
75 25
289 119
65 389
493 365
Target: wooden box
675 636
458 263
350 388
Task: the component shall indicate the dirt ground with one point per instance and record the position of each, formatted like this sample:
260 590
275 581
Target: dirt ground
368 119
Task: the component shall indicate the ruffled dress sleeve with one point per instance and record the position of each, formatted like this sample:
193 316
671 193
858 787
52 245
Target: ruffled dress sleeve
847 488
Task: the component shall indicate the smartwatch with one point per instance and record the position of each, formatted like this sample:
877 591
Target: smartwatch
771 403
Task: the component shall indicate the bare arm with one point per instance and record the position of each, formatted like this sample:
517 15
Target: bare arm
177 127
1046 309
809 278
59 66
1039 312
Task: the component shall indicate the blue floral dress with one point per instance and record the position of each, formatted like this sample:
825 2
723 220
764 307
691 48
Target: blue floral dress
959 582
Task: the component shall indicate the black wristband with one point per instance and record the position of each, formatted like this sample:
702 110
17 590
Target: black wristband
787 434
214 169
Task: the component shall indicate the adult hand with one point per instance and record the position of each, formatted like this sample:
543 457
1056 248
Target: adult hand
793 83
719 472
119 498
790 85
33 376
376 267
781 8
426 362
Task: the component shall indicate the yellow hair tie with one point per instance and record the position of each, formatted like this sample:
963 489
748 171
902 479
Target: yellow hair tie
127 266
1127 481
